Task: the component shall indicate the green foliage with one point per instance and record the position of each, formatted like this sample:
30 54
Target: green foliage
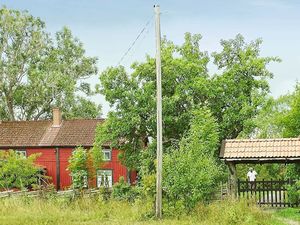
149 185
293 173
124 191
78 167
234 212
121 189
17 171
290 120
191 172
83 108
294 193
268 123
239 91
277 118
38 72
83 165
267 171
234 95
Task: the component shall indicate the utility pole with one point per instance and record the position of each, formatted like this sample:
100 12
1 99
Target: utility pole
159 116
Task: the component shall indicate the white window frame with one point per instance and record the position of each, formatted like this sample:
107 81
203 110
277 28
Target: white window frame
101 174
22 153
107 150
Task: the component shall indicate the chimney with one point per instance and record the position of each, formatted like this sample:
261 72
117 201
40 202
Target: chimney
56 117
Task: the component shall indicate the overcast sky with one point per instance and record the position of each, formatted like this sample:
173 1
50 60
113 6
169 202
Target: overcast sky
107 28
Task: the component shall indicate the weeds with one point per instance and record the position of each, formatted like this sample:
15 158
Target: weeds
94 210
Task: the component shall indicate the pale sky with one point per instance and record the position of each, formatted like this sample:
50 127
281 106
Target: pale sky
107 28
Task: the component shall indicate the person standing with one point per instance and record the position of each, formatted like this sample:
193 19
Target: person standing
251 175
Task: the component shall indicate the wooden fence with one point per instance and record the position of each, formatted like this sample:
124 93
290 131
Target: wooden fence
6 194
272 193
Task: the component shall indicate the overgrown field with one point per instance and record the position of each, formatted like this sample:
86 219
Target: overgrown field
88 211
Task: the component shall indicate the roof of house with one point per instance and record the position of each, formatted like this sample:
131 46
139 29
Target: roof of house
71 133
245 149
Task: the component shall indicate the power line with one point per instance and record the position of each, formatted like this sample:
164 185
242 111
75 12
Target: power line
138 44
134 42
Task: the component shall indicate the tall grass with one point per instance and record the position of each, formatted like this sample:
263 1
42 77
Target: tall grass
89 211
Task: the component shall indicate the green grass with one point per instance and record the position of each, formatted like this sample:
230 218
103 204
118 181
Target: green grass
289 213
90 211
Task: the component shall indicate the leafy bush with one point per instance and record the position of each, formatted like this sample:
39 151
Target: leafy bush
294 193
124 191
149 185
191 172
293 173
83 165
17 171
78 168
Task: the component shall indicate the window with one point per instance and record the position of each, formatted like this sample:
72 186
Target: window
22 153
107 154
104 178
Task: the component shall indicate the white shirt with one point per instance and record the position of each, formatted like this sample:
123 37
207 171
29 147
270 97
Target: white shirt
252 175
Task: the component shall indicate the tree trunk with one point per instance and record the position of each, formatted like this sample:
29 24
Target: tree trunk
232 179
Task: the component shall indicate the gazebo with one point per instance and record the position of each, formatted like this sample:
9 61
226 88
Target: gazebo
258 151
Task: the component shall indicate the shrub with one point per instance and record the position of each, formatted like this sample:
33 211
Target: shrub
17 171
294 193
124 191
83 166
293 172
191 172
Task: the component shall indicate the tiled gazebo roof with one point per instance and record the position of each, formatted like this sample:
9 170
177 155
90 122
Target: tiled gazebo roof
282 149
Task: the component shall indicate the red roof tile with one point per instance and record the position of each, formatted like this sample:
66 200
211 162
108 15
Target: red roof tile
22 133
41 133
76 132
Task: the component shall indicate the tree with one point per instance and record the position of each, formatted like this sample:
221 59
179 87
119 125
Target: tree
240 90
38 72
17 171
290 120
234 96
133 97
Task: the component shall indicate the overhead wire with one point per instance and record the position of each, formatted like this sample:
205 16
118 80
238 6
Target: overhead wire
135 40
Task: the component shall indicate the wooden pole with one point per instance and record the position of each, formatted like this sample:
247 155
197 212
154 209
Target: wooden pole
158 209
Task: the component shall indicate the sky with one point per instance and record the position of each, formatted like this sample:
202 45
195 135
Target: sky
108 27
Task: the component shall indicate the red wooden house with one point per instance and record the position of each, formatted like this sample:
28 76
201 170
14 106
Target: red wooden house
55 140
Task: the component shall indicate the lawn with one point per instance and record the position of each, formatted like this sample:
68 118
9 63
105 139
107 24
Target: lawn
89 211
291 215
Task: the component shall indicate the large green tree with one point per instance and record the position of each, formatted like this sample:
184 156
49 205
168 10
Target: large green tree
38 72
133 97
233 95
239 90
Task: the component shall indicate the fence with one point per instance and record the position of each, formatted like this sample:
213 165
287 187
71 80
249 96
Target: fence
6 194
272 193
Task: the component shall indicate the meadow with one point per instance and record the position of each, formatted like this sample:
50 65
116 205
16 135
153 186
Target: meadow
94 210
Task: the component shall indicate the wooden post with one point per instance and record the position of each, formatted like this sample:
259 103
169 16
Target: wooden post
159 116
233 179
57 162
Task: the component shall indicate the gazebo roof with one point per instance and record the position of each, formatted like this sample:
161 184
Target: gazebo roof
261 150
